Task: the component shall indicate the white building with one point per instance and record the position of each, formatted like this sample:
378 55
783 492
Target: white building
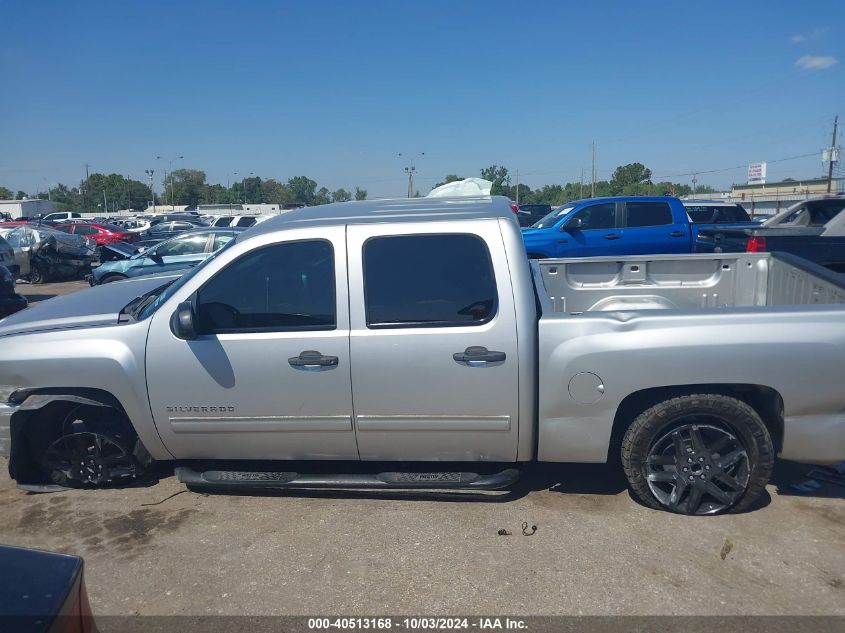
25 208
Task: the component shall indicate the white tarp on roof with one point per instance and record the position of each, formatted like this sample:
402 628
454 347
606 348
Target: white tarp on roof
465 187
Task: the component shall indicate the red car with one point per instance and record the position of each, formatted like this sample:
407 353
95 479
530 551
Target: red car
100 233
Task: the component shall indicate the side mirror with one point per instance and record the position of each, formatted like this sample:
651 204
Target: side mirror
182 322
153 255
572 224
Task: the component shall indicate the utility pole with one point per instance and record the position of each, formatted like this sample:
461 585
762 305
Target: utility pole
694 183
517 187
105 203
87 188
593 188
832 157
581 191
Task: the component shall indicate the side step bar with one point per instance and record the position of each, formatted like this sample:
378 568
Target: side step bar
233 479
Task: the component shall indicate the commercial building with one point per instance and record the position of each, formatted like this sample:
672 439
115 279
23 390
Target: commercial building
27 207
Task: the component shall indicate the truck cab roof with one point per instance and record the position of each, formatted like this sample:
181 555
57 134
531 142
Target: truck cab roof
398 210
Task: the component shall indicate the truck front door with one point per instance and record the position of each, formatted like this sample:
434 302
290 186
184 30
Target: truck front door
268 374
433 342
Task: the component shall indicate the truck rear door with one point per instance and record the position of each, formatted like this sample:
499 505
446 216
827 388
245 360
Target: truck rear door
433 342
653 227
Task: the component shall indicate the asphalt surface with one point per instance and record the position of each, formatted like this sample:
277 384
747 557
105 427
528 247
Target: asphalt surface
158 549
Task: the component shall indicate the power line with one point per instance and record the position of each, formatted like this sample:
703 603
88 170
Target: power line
716 171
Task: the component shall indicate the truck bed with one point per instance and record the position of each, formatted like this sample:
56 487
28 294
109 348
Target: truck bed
647 282
611 328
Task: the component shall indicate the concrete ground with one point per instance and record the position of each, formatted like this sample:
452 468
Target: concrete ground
159 549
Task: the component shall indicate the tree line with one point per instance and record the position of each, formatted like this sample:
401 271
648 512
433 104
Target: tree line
634 179
109 192
101 192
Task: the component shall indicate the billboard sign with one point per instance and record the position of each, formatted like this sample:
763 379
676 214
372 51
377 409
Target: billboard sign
757 174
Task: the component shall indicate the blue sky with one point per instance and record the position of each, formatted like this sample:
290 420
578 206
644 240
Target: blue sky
335 90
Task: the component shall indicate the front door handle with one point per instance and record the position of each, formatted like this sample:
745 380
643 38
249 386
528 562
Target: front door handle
612 236
476 356
677 234
312 358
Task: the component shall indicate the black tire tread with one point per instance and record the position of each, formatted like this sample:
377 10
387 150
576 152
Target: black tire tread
644 428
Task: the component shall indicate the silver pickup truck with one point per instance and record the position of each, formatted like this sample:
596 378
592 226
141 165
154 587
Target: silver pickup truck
407 332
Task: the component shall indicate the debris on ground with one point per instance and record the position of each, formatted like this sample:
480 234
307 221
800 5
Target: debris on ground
726 549
525 531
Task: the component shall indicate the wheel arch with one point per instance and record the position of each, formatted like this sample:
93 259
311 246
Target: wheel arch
766 401
28 420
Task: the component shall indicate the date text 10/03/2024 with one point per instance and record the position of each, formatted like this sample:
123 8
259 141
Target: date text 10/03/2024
417 623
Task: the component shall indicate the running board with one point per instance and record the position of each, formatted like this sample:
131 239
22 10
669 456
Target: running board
263 479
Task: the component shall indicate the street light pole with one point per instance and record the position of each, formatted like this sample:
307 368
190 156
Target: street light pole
150 173
410 170
170 169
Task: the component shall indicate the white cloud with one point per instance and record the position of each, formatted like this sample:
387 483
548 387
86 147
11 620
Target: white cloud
797 39
816 62
809 36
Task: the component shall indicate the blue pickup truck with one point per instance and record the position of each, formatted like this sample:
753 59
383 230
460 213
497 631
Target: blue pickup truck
627 225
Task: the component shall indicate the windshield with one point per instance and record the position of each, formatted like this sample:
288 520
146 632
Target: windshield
167 291
551 218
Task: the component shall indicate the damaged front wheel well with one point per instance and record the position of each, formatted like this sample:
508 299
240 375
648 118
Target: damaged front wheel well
40 420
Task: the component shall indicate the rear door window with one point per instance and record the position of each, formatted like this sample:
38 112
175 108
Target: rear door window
648 214
418 281
700 214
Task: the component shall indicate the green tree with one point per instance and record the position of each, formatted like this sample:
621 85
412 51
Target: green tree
5 194
360 194
20 195
303 189
629 176
323 196
341 195
274 192
185 186
499 177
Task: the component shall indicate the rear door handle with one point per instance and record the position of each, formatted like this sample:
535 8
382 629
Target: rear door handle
612 236
312 358
476 356
677 234
562 241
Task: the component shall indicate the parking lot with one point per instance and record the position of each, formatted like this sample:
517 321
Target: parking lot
160 549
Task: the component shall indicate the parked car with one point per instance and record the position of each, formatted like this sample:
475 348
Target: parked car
242 221
7 256
626 225
813 229
100 233
133 225
333 333
59 216
42 253
43 592
10 300
176 254
165 230
529 214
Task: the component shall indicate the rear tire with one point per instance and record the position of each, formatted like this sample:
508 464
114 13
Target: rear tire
698 454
